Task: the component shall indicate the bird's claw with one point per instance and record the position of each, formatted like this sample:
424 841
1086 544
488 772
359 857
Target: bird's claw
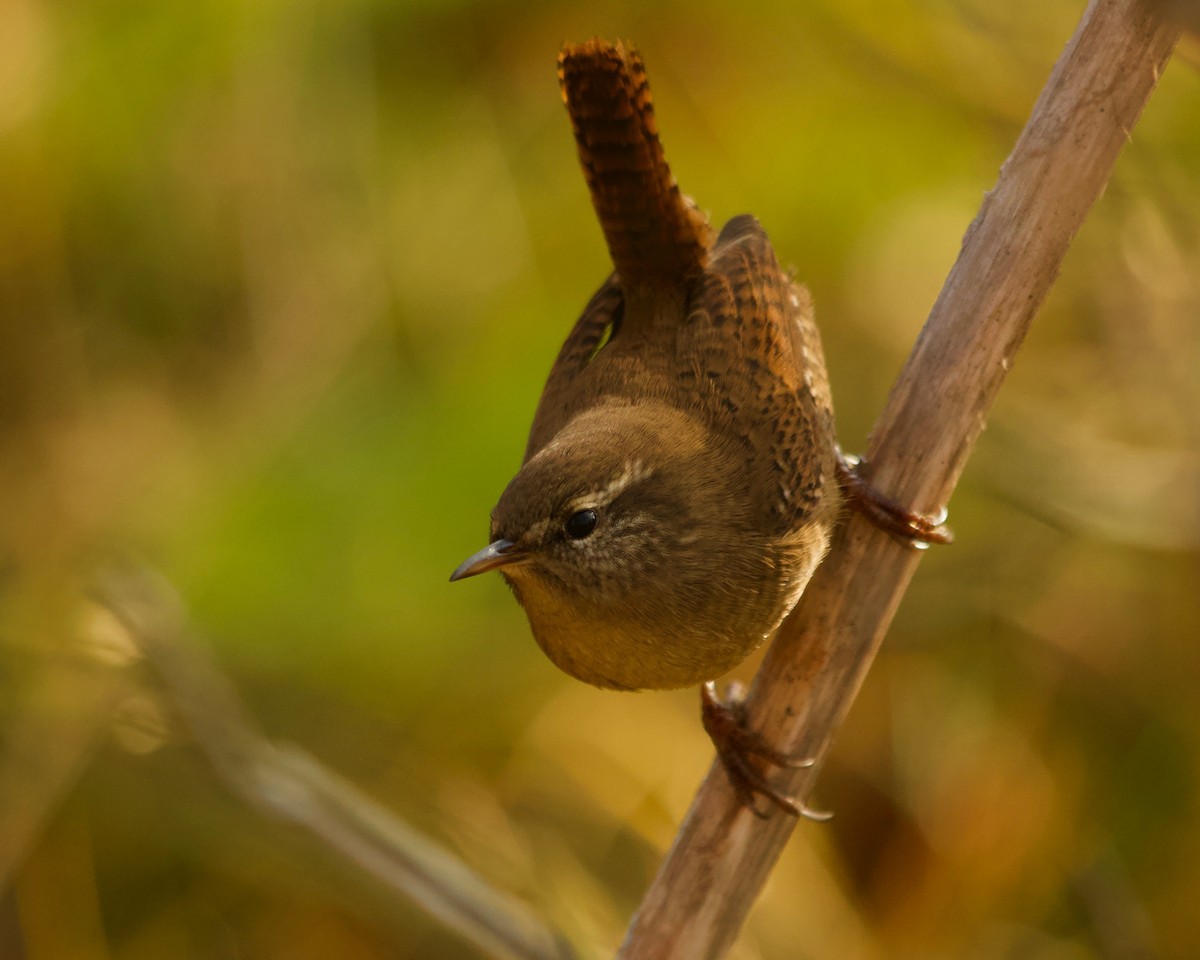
917 530
725 723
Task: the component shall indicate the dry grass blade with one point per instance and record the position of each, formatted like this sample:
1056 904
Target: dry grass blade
283 781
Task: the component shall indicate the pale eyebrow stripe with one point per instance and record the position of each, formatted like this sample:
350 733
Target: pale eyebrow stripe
633 472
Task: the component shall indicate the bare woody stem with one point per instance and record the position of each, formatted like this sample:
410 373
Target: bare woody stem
1010 257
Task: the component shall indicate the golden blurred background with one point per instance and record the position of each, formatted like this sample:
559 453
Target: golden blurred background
279 285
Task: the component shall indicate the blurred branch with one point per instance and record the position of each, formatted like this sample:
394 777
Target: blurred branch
937 409
287 783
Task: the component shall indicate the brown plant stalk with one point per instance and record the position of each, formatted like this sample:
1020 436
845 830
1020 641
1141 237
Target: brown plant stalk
1009 259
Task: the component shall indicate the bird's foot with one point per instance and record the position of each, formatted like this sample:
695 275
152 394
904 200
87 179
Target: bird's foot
918 530
725 723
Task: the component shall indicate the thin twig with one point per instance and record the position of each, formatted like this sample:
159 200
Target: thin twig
1010 257
285 782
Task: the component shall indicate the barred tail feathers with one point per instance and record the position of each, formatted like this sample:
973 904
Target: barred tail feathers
656 237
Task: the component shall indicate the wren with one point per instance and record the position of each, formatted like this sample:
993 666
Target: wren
681 479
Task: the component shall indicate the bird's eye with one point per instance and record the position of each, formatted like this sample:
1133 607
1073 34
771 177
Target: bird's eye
580 524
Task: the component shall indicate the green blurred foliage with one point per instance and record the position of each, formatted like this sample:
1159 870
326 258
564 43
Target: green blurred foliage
279 284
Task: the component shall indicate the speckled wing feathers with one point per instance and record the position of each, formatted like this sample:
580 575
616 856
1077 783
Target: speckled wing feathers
744 357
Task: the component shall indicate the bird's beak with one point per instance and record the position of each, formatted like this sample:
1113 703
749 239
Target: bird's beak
497 554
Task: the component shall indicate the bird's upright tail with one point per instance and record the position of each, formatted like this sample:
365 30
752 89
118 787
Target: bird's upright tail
656 237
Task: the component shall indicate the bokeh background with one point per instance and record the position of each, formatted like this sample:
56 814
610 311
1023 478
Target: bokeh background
280 282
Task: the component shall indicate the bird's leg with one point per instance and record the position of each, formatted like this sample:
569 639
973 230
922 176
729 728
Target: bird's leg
725 723
918 530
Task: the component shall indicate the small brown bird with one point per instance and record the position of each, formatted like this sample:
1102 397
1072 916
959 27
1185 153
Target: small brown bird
681 478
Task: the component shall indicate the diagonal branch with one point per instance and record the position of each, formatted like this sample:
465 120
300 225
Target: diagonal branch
1010 257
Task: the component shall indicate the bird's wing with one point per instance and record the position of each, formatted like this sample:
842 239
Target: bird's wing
750 359
565 393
